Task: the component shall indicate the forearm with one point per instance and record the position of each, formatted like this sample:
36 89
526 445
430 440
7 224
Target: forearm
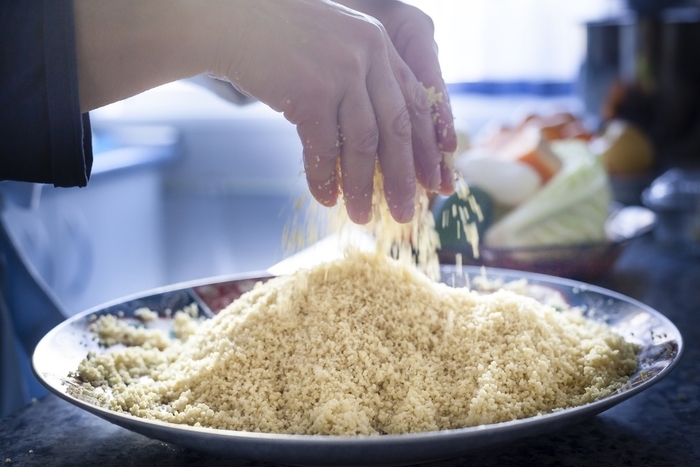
125 47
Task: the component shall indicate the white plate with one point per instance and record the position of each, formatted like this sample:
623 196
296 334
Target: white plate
61 350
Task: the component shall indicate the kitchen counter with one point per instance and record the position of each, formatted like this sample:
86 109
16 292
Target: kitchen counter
658 427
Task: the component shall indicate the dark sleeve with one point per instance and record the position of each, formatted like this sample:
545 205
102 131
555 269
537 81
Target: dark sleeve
43 136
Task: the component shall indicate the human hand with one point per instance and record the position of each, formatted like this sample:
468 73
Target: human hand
411 31
332 71
336 75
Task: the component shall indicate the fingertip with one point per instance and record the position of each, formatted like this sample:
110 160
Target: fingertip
432 182
326 194
408 213
359 216
448 140
403 214
359 206
435 179
320 157
446 189
447 179
329 202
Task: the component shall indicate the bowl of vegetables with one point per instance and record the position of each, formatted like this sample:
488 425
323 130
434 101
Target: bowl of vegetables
582 261
543 204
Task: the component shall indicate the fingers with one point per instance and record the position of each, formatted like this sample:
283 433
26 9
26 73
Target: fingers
419 51
426 154
447 183
359 144
395 151
319 137
384 119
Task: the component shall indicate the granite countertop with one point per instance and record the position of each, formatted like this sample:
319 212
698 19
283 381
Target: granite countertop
658 427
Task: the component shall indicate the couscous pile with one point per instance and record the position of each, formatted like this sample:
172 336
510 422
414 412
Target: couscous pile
359 346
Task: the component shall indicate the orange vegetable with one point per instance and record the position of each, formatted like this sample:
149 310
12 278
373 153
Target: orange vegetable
529 146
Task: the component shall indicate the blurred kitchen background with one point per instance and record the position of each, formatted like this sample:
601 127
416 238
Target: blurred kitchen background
187 185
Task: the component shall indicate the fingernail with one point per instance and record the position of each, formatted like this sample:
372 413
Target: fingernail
447 187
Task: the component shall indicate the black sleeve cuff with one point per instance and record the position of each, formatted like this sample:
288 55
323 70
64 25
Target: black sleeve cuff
43 135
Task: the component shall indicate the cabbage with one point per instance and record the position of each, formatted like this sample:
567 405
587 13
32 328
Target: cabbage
572 208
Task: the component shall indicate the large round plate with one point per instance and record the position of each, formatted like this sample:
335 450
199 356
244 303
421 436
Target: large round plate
60 351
